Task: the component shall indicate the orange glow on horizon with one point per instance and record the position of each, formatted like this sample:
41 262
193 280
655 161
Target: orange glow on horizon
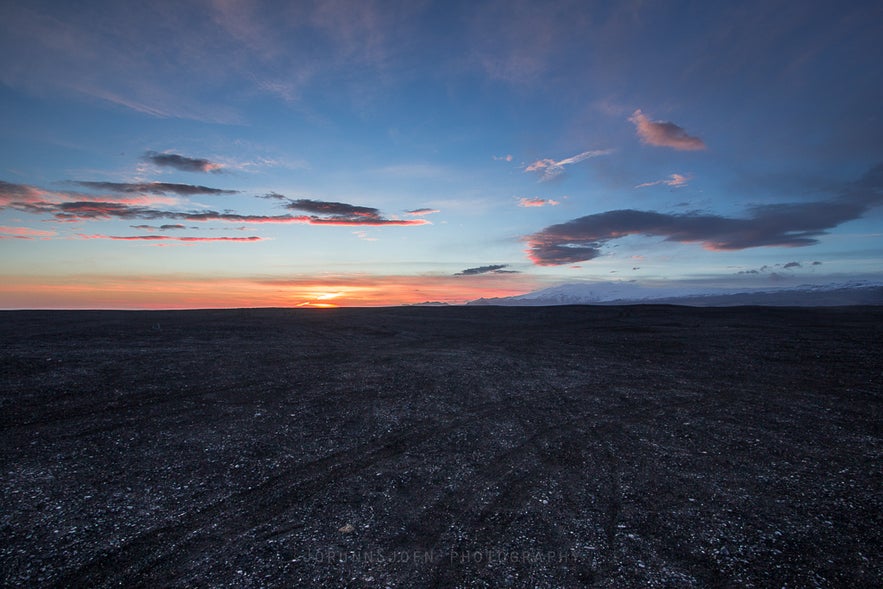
173 292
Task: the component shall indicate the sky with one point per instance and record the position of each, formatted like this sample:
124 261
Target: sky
240 153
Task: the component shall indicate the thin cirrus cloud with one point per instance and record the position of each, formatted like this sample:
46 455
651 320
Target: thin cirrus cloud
549 169
491 269
421 212
783 225
183 163
664 133
537 202
674 181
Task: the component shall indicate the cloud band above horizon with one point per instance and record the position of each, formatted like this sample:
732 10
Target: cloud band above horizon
782 225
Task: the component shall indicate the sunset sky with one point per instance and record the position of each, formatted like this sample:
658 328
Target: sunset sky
241 153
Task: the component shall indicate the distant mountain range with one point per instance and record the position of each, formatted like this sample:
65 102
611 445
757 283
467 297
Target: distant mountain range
624 293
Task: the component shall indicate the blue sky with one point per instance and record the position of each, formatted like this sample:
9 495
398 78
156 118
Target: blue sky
243 153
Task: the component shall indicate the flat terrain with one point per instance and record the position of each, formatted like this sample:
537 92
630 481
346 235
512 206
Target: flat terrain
442 447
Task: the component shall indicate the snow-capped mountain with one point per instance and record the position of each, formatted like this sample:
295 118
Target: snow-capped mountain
625 293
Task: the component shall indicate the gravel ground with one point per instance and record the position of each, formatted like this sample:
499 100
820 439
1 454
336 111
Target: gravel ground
645 446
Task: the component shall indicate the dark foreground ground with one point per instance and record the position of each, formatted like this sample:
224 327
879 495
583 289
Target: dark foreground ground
442 447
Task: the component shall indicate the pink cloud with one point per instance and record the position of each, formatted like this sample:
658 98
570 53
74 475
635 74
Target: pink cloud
421 212
503 158
549 168
537 202
674 180
664 133
10 193
7 232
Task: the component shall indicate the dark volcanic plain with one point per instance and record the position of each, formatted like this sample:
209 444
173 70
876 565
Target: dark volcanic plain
408 447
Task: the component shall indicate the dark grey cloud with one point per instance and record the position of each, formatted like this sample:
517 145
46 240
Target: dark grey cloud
168 227
493 268
168 238
183 163
27 199
331 208
154 188
341 213
792 265
786 225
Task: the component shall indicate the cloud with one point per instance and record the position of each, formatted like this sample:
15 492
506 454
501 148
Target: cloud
503 158
766 269
421 212
664 134
331 208
341 213
674 180
364 235
88 208
537 202
167 238
161 227
154 188
549 168
23 233
784 225
493 268
78 210
183 163
10 193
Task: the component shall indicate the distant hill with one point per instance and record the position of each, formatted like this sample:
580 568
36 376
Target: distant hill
619 293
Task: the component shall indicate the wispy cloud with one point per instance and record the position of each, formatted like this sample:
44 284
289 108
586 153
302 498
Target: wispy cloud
168 238
492 269
664 134
364 235
169 227
183 163
549 168
421 212
537 202
22 193
784 225
503 158
767 269
674 180
340 213
331 208
7 232
154 188
27 199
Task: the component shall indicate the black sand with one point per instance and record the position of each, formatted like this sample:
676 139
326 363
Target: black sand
441 447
